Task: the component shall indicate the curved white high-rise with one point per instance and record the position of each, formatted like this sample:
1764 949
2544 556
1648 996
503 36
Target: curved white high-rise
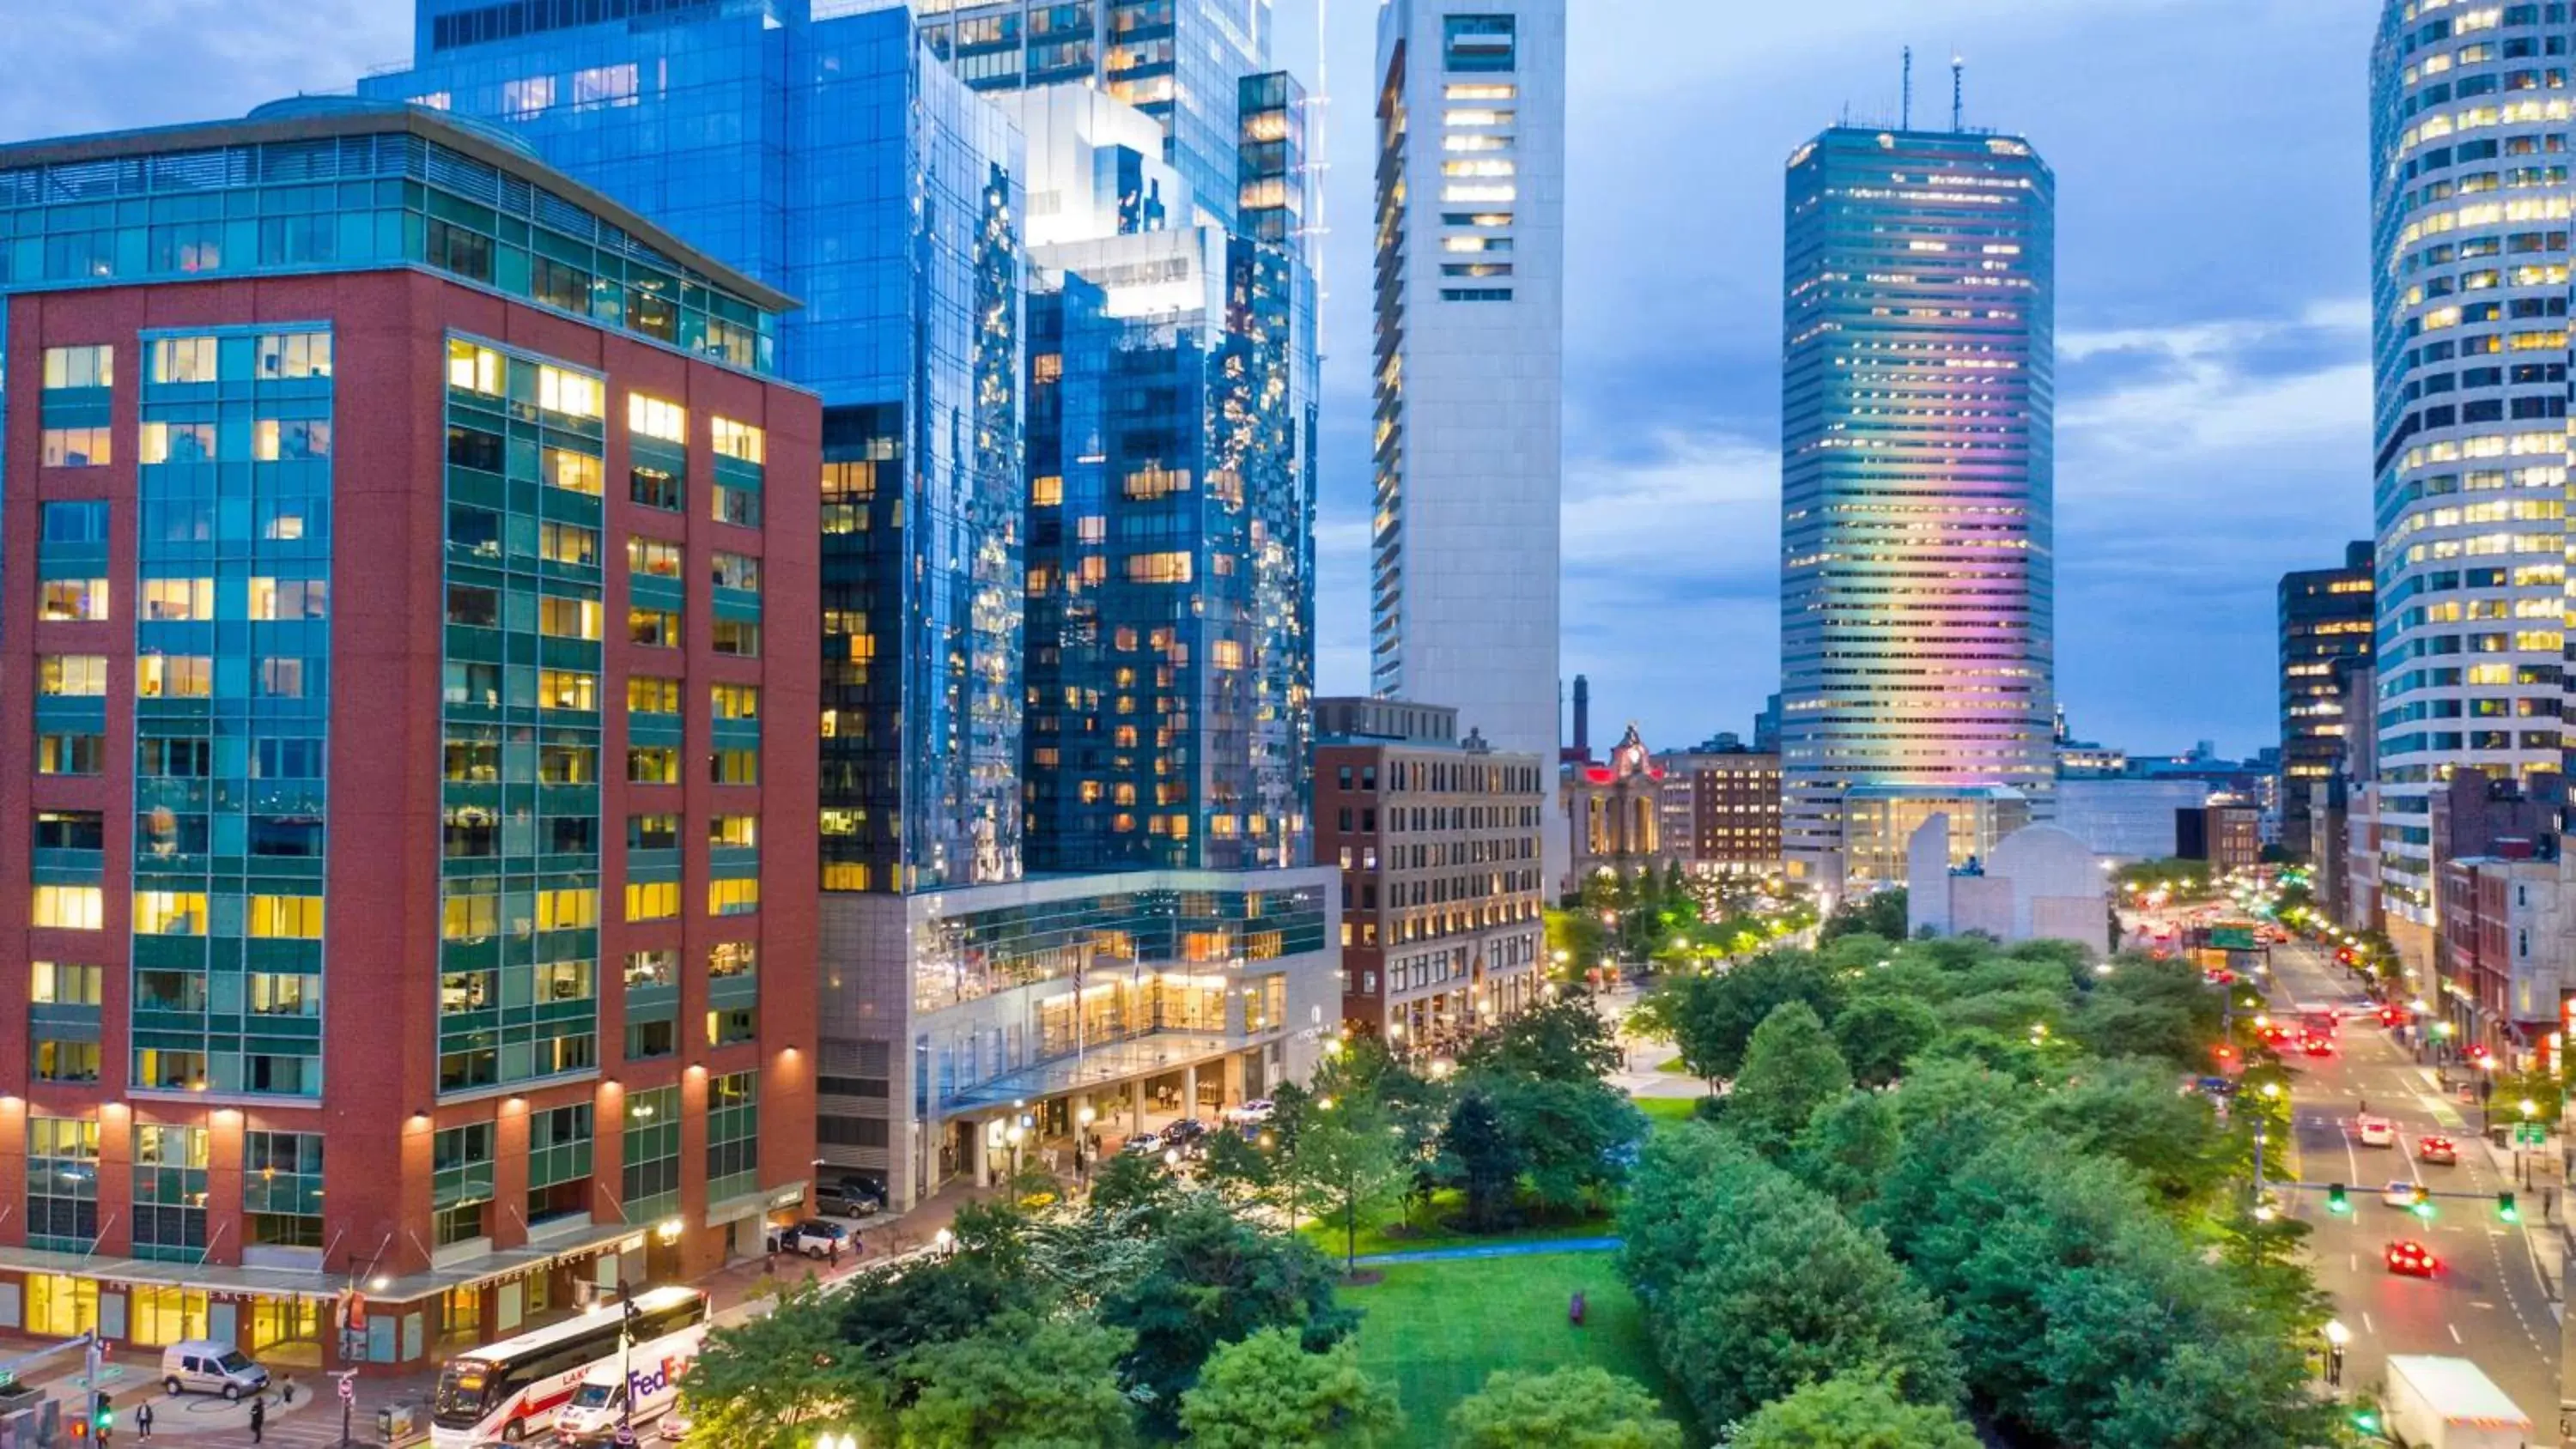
2469 221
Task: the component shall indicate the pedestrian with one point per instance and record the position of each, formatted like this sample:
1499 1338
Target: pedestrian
290 1391
259 1419
836 1252
143 1421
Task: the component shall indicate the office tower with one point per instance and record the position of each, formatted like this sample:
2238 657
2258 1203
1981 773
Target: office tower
1470 363
1581 748
1917 594
984 987
1437 839
2325 616
380 730
1170 599
2469 473
1177 61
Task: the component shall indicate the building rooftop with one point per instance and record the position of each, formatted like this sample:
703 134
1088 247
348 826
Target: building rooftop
306 145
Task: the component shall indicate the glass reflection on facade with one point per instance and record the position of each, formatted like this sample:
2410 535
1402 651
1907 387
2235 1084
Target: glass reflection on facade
831 159
231 710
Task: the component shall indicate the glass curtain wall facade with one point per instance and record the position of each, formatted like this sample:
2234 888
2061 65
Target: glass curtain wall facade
1917 574
269 484
2470 222
831 159
1177 61
2325 616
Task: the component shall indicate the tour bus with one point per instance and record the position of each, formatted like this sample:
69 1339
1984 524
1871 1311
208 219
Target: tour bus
511 1389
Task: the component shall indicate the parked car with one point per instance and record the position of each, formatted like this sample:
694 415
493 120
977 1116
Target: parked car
814 1238
1259 1109
202 1366
1184 1132
1144 1143
848 1198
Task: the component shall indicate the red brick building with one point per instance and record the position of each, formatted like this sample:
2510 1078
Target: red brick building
411 617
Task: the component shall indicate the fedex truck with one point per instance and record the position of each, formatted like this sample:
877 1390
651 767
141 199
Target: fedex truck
2449 1403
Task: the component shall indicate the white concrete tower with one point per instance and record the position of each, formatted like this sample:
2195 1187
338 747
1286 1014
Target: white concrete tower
1470 361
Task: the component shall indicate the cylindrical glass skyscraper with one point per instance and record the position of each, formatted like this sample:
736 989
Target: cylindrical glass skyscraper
1917 584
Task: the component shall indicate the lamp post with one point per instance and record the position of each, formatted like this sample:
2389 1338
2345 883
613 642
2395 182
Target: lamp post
2336 1337
625 1362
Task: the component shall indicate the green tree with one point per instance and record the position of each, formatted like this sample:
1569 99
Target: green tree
1023 1383
1218 1280
884 1314
1345 1163
765 1382
1482 1155
1712 1018
1268 1392
1574 1140
1879 1035
1848 1147
1564 1040
1852 1411
1238 1169
1132 1180
1790 1069
2129 1110
1578 1407
1754 1285
1880 913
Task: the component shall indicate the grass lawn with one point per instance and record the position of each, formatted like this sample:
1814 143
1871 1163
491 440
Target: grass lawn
1387 1235
1667 1111
1435 1330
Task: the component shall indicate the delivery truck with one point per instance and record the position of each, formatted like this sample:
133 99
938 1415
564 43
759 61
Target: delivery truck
2448 1403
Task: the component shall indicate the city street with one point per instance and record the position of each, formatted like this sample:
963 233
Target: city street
2488 1303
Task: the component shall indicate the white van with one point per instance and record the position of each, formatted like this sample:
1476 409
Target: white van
596 1408
202 1366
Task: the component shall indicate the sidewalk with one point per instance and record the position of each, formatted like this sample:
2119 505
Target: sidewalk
313 1420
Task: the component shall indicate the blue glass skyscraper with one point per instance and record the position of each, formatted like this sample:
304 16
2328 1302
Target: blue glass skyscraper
1141 738
831 157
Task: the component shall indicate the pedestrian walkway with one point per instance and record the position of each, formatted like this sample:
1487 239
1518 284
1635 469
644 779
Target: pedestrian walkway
1492 1250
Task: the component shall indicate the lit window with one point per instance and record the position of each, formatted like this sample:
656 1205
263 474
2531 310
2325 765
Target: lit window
740 441
68 908
93 366
286 918
655 418
473 369
183 359
72 674
169 913
573 394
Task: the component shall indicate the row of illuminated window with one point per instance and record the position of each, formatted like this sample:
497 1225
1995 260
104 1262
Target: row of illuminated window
662 832
164 600
176 913
478 762
660 900
272 440
486 372
481 606
170 676
267 357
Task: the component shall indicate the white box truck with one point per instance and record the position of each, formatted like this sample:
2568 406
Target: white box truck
2448 1403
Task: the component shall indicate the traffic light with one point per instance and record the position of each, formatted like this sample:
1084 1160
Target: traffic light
2505 1208
2423 1207
2337 1200
2366 1420
102 1414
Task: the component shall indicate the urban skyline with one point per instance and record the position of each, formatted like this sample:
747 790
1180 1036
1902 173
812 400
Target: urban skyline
2180 358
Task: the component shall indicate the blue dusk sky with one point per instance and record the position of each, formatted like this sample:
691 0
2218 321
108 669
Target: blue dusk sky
2213 305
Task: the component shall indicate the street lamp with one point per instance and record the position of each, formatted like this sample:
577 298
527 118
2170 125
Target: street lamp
944 1241
2336 1337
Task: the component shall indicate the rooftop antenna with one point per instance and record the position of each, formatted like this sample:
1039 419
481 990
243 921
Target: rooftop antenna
1958 70
1905 106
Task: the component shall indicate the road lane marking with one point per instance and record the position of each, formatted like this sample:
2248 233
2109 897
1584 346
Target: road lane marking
2455 1334
2365 1322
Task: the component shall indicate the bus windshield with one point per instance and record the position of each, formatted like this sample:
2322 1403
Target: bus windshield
462 1387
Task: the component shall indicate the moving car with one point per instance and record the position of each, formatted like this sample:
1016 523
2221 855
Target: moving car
201 1366
2439 1151
2375 1131
2401 1194
2411 1259
1144 1144
2317 1046
1184 1132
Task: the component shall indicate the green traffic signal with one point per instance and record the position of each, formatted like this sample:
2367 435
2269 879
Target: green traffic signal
2366 1420
2337 1200
2505 1208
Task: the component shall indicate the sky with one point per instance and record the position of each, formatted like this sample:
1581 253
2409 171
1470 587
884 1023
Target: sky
2213 305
